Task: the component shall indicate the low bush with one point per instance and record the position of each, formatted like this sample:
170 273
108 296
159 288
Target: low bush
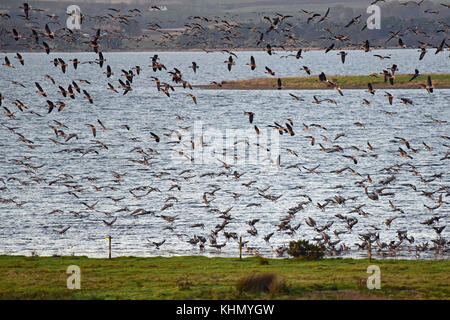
304 250
261 283
262 261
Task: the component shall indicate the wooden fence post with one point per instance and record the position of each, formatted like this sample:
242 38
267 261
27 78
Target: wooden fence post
240 248
109 246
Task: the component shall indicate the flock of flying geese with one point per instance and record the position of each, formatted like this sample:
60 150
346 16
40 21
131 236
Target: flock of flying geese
371 190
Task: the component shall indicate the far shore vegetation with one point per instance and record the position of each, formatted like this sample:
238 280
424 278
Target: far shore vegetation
440 81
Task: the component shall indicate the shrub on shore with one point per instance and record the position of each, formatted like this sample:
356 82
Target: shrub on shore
302 249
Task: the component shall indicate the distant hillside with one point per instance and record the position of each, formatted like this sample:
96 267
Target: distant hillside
218 2
197 24
213 6
220 5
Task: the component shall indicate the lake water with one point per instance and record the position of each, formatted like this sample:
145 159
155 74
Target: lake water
28 225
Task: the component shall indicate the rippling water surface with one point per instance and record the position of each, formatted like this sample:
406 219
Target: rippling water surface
62 176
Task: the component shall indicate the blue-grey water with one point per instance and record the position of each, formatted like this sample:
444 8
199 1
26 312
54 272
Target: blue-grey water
40 177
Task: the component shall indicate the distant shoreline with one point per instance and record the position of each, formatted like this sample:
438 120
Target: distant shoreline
125 50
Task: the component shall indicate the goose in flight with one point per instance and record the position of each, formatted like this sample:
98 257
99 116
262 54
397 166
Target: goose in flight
8 63
388 221
311 222
158 244
268 71
187 85
290 130
70 92
26 10
154 136
216 84
127 87
101 59
342 54
63 230
102 125
40 91
252 63
279 84
440 47
75 63
407 101
88 97
46 47
354 20
371 195
50 78
48 33
230 63
138 69
313 140
423 51
429 86
312 170
110 223
381 57
295 97
18 84
355 161
404 154
108 72
366 46
19 58
415 75
389 96
316 100
50 106
16 35
111 88
324 17
323 78
370 88
63 91
250 115
70 136
307 70
329 48
76 87
393 68
268 236
194 66
90 207
62 64
93 129
8 113
192 97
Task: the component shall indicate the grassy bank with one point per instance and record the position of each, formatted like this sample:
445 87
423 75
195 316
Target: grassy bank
219 278
440 81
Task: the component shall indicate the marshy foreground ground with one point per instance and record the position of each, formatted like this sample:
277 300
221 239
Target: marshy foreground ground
197 277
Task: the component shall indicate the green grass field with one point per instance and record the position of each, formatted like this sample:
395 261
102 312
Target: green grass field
440 81
190 278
